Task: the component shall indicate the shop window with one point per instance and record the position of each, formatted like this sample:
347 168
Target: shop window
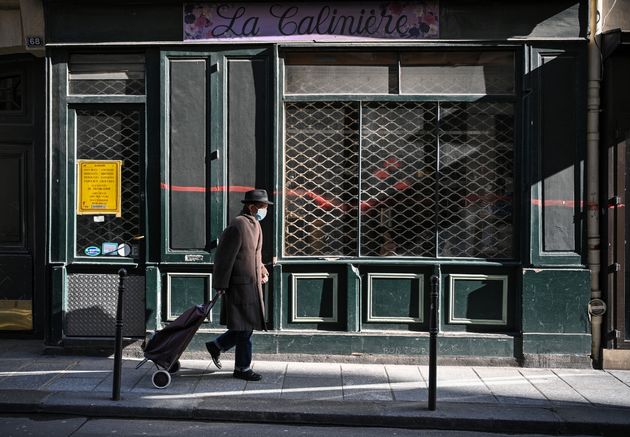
11 93
111 135
106 74
399 178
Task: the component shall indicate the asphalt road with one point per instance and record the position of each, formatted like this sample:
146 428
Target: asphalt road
54 426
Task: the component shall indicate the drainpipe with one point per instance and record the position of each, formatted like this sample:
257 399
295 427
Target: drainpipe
592 162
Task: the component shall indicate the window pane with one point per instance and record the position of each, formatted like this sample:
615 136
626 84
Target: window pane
398 179
341 73
106 74
321 178
111 135
476 180
457 73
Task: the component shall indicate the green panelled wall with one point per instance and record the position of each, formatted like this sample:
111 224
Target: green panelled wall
503 309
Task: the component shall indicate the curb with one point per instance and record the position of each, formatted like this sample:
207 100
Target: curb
409 415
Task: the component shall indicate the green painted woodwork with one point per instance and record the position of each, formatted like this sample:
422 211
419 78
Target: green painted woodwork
353 294
185 290
557 344
206 81
308 342
58 298
314 297
58 161
478 299
555 301
556 152
395 298
153 286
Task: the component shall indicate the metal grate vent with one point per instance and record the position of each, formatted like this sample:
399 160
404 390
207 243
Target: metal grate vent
111 135
91 305
409 200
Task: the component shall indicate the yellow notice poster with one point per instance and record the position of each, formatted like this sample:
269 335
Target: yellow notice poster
99 187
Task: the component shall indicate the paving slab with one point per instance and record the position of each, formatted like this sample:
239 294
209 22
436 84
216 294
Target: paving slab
460 384
556 390
509 386
365 382
313 387
622 375
406 383
597 386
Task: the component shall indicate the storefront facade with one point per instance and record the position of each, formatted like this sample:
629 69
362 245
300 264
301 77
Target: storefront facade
398 141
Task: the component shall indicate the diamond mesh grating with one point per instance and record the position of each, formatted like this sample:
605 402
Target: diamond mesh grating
321 158
475 186
133 87
398 179
111 135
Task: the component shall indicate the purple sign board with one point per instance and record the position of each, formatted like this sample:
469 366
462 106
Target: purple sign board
319 21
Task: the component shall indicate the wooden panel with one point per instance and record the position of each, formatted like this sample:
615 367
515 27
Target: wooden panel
559 151
314 297
478 299
187 153
395 297
247 129
185 290
12 198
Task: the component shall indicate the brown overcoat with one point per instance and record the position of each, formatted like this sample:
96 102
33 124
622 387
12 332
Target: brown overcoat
238 270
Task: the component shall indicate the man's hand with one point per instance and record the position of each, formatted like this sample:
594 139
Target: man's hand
264 278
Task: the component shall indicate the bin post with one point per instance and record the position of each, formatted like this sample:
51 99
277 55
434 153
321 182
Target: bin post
433 332
122 273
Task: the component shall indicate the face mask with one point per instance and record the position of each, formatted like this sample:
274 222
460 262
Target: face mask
261 214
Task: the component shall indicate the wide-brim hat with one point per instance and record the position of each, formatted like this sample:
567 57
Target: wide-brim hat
256 196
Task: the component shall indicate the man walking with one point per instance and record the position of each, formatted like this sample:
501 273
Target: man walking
239 273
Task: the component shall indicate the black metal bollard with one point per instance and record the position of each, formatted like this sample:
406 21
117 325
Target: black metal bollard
122 273
433 332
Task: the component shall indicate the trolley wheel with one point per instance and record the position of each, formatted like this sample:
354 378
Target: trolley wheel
175 367
161 379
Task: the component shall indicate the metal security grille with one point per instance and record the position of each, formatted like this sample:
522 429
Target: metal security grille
321 178
398 179
111 135
476 181
429 172
133 87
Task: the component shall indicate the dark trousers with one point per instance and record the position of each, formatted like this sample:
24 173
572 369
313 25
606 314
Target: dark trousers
243 342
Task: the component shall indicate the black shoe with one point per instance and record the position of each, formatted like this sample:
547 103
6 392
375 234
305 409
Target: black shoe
247 375
215 353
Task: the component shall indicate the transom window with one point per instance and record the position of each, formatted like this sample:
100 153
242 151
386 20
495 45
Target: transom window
426 177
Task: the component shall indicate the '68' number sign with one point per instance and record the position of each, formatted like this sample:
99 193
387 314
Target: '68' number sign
34 41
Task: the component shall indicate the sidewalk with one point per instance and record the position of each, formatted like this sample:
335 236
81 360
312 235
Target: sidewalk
499 399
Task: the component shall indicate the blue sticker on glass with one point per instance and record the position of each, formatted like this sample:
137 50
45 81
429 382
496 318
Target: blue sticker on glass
92 251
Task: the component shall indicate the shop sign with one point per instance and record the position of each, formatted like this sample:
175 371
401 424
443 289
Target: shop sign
99 187
301 21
